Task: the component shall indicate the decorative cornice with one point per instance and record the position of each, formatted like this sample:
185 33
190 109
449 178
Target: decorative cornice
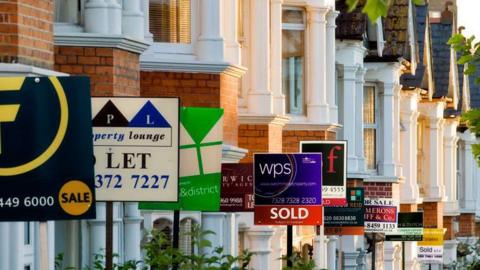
26 70
232 154
263 119
101 40
194 67
311 126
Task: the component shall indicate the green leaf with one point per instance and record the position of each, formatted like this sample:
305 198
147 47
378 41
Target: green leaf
477 80
471 69
456 39
352 4
465 59
419 2
375 9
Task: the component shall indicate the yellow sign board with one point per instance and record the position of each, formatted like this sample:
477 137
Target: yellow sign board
432 237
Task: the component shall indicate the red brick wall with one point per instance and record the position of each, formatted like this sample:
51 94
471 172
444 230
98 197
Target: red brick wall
259 138
111 71
378 190
198 90
432 214
448 224
467 225
26 32
292 138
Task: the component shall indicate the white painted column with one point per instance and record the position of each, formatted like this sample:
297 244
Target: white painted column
434 180
331 78
450 166
214 222
411 256
230 243
210 41
320 250
359 153
467 188
96 17
132 19
349 104
132 231
4 245
349 251
15 245
409 189
276 56
387 162
260 95
114 17
146 20
259 238
72 243
278 245
230 32
316 65
332 252
449 251
50 242
97 232
389 250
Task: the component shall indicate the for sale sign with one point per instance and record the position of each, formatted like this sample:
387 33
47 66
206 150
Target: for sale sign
410 227
380 215
430 250
334 171
288 189
237 188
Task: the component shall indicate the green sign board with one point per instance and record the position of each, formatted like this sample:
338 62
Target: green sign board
201 132
46 152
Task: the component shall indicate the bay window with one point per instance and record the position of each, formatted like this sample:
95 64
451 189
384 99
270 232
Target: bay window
170 21
370 127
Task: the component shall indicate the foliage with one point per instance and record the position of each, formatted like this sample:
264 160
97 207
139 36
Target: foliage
374 8
298 263
468 257
469 51
472 120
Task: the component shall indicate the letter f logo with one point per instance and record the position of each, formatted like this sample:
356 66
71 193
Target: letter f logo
8 113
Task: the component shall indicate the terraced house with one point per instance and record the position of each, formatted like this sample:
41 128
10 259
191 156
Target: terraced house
284 71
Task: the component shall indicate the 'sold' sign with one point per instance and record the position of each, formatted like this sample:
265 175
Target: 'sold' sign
237 188
349 219
430 250
288 189
136 148
380 215
46 164
334 169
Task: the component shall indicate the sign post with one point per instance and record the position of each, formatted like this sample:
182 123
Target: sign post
136 153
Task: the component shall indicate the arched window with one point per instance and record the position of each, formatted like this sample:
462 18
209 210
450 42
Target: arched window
165 226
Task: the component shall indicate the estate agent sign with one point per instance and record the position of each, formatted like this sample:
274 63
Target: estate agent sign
380 215
430 250
334 169
136 148
410 227
46 164
201 133
349 219
237 188
288 189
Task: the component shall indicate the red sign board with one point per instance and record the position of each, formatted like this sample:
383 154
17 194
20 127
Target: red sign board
237 188
288 215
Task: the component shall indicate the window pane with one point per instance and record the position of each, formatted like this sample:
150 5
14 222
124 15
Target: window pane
370 148
26 233
292 16
292 70
170 21
369 105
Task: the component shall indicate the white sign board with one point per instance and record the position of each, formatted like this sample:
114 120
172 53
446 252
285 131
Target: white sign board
136 148
430 254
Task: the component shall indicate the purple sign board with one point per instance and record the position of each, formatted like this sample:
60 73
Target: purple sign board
288 189
237 188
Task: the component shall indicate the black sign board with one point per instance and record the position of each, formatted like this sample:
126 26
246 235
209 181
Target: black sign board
346 220
46 152
334 173
410 227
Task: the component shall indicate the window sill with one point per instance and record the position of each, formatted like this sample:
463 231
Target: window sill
101 40
381 178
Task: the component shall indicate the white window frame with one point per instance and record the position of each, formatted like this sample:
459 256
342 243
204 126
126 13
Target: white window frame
375 126
28 250
181 48
299 112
